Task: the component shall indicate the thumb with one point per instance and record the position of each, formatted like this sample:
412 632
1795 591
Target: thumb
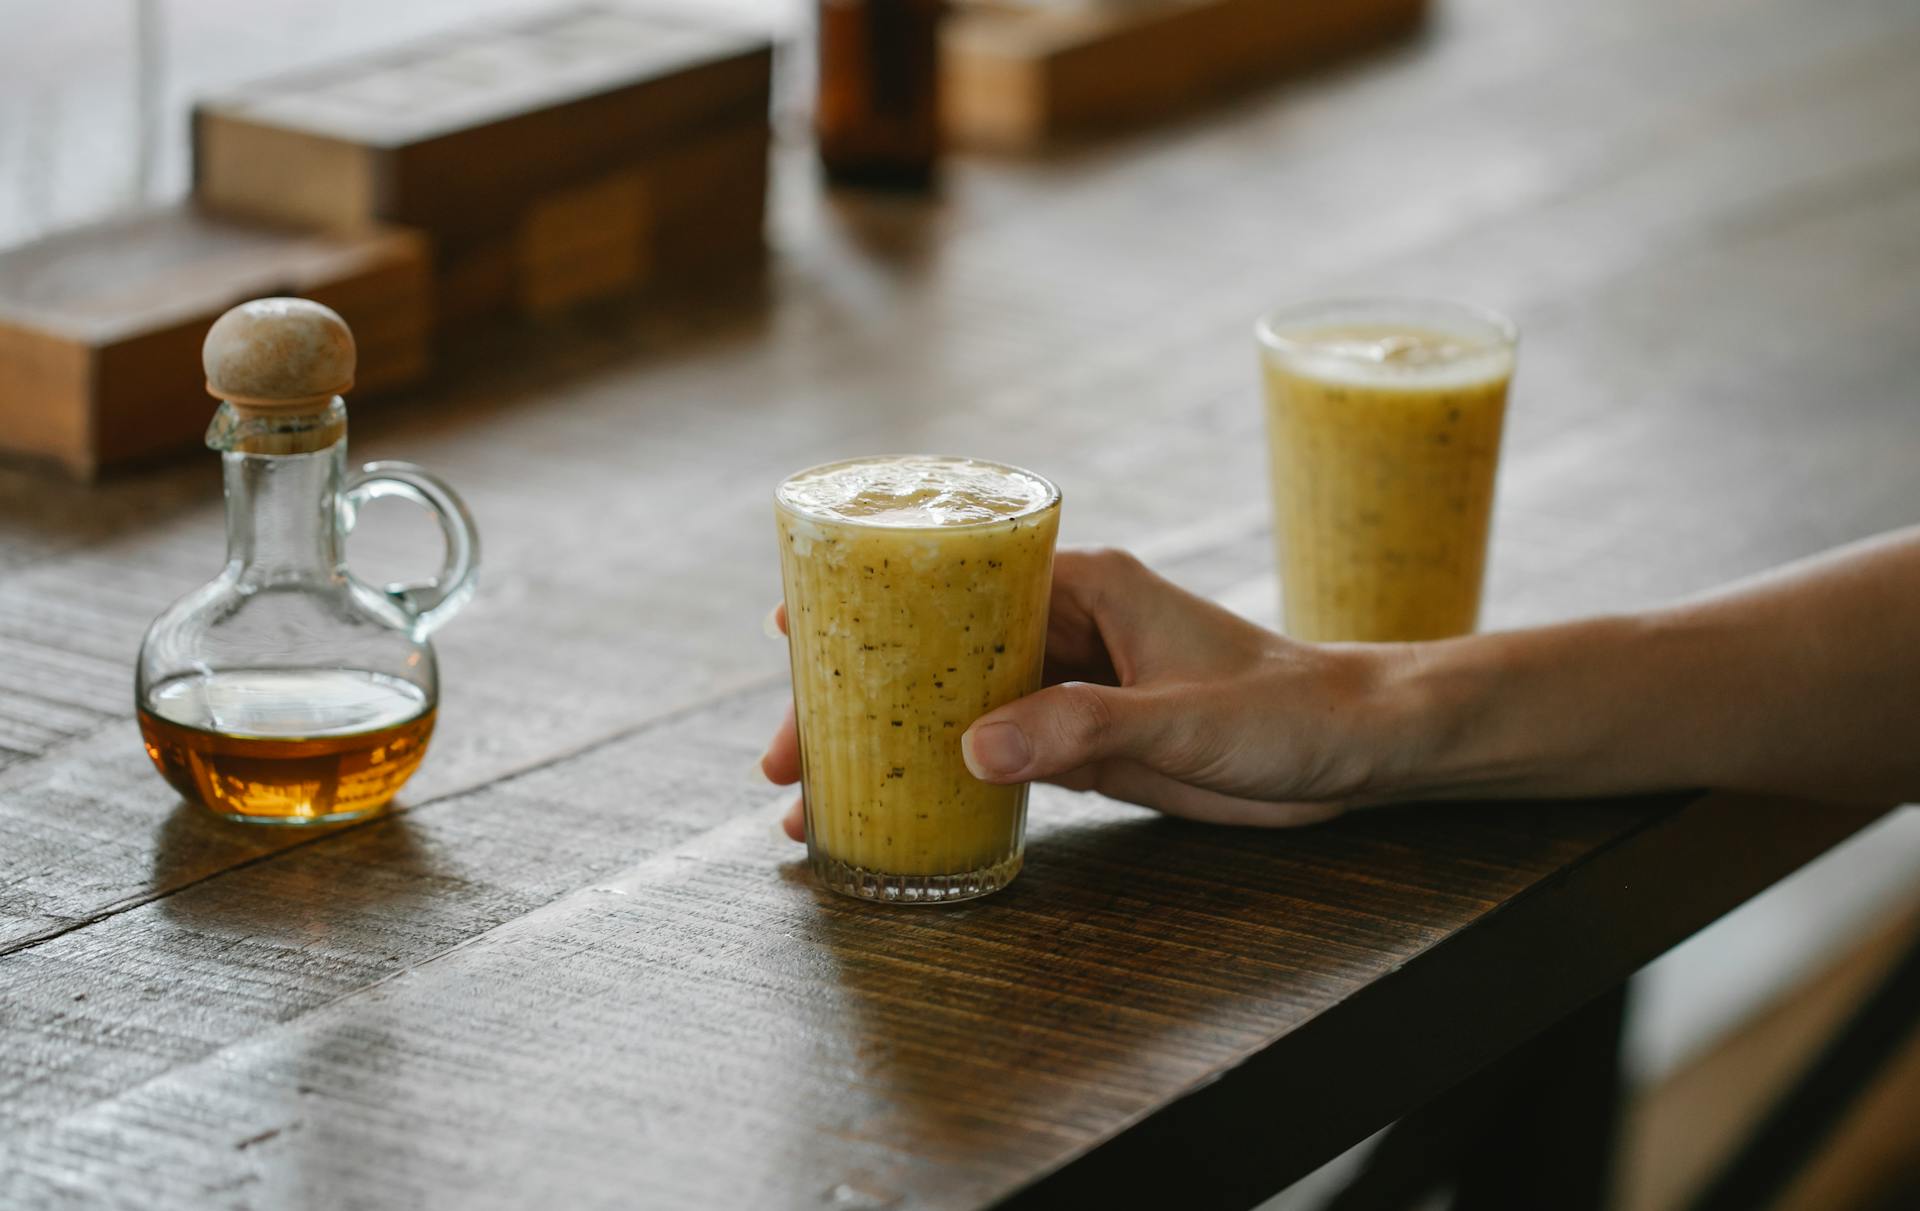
1064 727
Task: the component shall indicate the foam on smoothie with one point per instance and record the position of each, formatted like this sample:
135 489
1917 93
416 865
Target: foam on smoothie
1368 355
916 492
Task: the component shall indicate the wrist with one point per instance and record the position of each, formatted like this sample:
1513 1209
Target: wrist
1441 699
1416 696
1384 712
1510 713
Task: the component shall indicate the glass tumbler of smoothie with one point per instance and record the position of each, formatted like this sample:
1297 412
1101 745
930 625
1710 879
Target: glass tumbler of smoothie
1384 422
916 591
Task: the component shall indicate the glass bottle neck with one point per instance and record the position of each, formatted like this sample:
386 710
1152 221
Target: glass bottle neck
283 499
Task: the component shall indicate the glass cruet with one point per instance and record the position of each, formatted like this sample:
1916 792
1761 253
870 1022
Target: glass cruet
286 690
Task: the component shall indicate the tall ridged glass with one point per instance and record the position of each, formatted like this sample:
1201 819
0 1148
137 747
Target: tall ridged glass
1384 420
916 591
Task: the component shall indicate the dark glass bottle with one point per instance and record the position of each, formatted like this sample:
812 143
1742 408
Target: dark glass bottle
878 113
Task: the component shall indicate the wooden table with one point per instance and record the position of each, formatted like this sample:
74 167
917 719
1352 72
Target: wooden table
578 967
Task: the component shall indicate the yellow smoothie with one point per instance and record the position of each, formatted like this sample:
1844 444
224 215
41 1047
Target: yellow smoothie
916 591
1385 433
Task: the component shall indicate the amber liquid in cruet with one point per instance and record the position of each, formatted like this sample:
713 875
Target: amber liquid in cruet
295 745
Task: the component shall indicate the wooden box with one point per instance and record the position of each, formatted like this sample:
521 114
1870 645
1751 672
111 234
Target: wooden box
574 154
100 327
690 209
1016 76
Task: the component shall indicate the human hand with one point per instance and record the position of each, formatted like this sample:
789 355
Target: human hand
1164 699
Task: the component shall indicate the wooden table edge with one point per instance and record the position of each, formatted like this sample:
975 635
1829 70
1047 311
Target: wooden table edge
1291 1106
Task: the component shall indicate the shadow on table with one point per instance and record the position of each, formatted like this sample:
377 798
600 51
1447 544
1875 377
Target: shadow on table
901 231
322 872
510 365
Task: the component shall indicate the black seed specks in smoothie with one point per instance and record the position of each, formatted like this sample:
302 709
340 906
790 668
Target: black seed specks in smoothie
898 644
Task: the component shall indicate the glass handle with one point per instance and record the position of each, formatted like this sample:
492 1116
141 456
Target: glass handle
431 602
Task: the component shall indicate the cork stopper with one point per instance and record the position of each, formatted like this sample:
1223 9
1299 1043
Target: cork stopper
278 357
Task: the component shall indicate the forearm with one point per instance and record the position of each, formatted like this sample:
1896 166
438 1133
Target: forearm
1807 682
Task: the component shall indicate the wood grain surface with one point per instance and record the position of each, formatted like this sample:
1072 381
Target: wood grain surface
1706 217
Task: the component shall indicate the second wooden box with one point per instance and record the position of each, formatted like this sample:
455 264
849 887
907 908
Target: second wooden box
574 154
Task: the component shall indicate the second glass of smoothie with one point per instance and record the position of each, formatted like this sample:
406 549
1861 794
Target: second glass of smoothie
1384 419
916 590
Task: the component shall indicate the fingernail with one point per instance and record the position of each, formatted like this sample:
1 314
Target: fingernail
769 626
995 750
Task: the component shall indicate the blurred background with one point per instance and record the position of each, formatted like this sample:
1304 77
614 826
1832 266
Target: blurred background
95 98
